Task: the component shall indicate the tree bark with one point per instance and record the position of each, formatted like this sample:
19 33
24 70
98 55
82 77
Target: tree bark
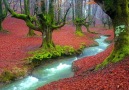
47 39
1 15
120 17
31 32
27 12
1 29
79 29
78 16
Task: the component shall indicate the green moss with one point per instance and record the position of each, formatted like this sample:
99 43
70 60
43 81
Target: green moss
11 75
57 51
109 4
119 29
79 33
102 65
115 57
6 76
31 33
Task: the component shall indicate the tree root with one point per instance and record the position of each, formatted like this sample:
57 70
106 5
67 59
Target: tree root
113 58
4 31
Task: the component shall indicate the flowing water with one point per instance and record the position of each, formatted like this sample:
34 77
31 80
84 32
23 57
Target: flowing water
54 71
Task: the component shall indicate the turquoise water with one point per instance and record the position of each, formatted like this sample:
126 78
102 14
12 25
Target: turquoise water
59 69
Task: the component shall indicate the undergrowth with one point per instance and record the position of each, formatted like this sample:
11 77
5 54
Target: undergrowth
10 75
55 52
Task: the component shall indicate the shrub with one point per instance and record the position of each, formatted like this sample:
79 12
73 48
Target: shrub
57 51
11 75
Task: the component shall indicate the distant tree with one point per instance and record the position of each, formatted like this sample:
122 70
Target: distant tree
93 15
105 19
80 20
78 16
109 22
44 21
118 10
3 14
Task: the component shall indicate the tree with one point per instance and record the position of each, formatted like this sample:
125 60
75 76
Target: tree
27 12
44 22
3 14
94 11
118 10
78 16
105 19
79 19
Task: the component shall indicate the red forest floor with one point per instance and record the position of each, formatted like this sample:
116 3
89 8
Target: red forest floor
15 45
113 77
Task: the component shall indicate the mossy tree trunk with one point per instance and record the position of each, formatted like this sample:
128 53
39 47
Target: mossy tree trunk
1 28
46 22
31 32
47 39
27 12
79 29
3 15
78 17
119 13
87 25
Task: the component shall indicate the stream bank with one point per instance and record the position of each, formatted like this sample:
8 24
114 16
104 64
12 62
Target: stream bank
54 71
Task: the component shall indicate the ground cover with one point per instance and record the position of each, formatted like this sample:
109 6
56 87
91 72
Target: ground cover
113 77
15 44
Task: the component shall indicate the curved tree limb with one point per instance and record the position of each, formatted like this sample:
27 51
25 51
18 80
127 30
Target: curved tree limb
28 19
87 27
64 20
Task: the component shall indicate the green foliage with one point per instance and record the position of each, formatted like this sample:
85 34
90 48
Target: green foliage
11 75
45 54
48 19
79 33
6 76
78 20
119 29
109 4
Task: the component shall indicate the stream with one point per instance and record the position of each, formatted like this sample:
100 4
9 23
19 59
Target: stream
54 71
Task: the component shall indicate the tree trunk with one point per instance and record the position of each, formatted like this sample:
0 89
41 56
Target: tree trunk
30 32
27 12
2 16
1 29
1 12
120 19
21 6
104 25
94 23
109 26
47 39
73 10
79 30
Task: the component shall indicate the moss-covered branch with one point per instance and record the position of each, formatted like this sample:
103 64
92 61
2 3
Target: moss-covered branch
27 18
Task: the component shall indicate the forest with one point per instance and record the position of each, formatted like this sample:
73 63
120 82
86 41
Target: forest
64 45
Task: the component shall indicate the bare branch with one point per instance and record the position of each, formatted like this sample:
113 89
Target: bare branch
64 20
